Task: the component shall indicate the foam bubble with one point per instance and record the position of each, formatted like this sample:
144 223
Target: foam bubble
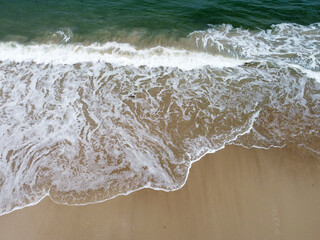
87 123
309 73
64 35
283 43
121 54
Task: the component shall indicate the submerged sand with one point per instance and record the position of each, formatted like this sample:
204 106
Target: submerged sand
235 193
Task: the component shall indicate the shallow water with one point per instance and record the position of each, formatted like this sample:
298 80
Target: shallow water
91 110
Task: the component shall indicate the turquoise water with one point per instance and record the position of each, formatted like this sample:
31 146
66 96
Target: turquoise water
98 19
103 98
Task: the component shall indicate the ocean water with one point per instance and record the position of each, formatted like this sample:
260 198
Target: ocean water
103 98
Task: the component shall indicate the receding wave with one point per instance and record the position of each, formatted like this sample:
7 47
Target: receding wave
84 123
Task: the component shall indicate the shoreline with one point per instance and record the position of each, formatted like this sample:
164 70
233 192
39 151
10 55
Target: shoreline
235 193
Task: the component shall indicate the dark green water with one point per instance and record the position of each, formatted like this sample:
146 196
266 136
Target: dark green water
100 19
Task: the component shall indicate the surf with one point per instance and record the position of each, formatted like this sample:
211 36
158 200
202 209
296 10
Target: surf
83 123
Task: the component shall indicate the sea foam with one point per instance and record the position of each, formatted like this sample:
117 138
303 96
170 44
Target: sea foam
120 54
85 123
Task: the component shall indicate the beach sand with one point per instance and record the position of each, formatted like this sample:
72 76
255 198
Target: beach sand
235 193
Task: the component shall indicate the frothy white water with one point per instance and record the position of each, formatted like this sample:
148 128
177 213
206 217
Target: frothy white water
82 128
120 54
286 43
311 74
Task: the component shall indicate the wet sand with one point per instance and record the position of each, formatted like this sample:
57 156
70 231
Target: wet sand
235 193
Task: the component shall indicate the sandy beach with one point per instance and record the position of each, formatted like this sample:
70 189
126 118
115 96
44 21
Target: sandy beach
101 98
235 193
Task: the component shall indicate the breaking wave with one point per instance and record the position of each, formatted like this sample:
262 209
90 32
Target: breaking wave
85 123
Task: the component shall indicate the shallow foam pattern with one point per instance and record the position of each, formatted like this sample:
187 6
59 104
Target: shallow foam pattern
286 43
88 131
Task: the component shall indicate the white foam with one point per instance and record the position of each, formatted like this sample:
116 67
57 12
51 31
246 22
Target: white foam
65 35
309 73
284 43
115 53
122 127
